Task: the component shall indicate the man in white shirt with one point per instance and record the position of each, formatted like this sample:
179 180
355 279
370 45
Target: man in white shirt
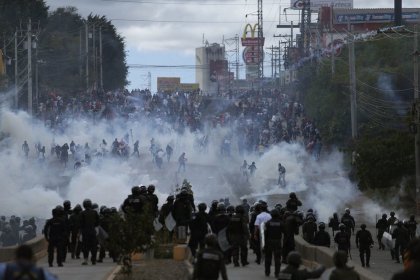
262 218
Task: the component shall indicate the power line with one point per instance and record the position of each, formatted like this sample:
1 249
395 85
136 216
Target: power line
180 21
195 3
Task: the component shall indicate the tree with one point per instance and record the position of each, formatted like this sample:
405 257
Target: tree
115 69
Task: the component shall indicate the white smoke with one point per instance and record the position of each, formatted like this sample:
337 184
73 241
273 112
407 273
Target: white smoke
33 187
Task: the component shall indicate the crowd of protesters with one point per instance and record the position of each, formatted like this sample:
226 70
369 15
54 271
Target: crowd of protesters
14 231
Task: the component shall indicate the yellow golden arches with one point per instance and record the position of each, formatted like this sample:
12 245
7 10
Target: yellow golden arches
252 30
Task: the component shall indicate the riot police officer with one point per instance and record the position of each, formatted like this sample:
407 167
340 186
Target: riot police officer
55 233
238 236
210 261
89 220
274 230
342 238
364 241
322 238
198 228
382 226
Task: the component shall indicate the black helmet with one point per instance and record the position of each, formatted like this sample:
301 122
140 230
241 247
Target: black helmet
230 209
102 208
310 210
202 207
170 198
67 204
95 206
77 208
275 213
342 226
392 213
294 259
214 203
240 209
322 225
87 203
278 206
55 212
135 190
211 240
143 189
221 208
292 195
114 210
384 216
244 200
151 188
363 226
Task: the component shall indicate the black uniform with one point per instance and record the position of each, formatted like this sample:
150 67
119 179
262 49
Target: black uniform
364 241
349 222
309 229
274 230
402 237
292 204
238 236
89 220
210 263
412 227
199 229
342 238
292 223
322 238
55 233
76 246
382 226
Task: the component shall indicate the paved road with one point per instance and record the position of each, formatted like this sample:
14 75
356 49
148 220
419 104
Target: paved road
74 270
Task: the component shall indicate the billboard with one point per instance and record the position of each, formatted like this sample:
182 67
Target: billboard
168 83
317 4
373 17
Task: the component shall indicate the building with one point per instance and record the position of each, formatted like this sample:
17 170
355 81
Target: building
211 72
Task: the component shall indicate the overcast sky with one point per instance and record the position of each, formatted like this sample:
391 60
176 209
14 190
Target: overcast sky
166 32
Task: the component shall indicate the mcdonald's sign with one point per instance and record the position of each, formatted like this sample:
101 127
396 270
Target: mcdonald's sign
251 41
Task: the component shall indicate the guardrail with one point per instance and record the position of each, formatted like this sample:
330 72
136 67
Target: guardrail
324 256
38 244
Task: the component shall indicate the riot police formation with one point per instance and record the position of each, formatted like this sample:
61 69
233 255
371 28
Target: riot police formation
270 234
13 232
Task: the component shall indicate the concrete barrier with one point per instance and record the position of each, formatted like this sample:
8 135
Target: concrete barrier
39 246
324 256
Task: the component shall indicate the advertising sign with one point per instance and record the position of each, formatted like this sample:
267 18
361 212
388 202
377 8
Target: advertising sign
373 17
251 55
167 83
317 4
253 40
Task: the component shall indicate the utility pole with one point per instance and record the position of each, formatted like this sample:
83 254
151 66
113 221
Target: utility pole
94 56
5 53
260 44
16 73
416 55
80 53
237 55
29 67
87 55
149 81
101 77
352 73
332 40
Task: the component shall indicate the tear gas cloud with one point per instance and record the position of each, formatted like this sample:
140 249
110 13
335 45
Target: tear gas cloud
33 187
